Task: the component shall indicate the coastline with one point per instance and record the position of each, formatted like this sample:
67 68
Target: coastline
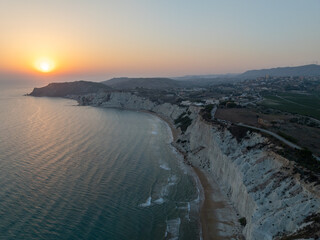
213 226
218 217
175 132
218 220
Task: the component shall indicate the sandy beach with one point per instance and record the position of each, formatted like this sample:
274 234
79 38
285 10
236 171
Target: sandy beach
218 217
208 218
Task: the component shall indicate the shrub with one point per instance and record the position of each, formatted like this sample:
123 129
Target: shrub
206 112
183 121
243 221
287 137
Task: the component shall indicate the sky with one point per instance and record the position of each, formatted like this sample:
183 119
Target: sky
100 39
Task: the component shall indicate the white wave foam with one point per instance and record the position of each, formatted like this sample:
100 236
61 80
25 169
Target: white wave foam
180 157
154 132
185 206
173 228
188 214
159 201
170 138
165 191
172 180
165 166
147 203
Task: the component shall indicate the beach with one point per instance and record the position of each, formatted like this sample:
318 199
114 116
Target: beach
218 218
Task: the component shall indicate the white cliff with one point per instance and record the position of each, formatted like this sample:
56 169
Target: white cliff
131 101
259 182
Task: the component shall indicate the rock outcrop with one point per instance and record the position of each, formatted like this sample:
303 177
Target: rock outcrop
69 88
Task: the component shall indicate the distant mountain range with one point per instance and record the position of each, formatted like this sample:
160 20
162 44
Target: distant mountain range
208 80
164 83
306 70
84 87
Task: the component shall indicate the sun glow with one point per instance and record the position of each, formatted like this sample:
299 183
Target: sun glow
45 65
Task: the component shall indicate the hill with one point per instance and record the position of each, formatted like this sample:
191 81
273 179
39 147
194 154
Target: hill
68 88
149 83
210 77
306 70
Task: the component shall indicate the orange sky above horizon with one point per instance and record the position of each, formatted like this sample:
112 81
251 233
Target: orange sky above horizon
119 38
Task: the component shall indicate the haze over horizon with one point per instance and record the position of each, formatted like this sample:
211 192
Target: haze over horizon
98 40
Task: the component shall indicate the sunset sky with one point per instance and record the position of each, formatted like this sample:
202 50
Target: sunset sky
99 39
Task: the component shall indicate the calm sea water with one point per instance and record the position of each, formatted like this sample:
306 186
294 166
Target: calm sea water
71 172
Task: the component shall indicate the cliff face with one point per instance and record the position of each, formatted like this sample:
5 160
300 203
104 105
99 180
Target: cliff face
261 184
130 101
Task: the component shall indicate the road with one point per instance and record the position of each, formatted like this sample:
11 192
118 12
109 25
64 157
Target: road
285 141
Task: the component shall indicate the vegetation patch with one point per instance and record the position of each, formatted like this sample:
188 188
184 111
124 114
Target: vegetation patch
183 121
307 160
229 104
239 132
206 112
243 221
287 137
311 231
307 165
303 104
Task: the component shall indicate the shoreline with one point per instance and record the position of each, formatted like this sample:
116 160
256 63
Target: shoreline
218 217
211 201
174 131
207 216
213 225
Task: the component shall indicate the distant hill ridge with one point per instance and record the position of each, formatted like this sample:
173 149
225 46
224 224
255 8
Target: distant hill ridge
125 83
149 83
205 80
306 70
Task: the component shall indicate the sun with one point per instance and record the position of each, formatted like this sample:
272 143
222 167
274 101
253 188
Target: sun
45 65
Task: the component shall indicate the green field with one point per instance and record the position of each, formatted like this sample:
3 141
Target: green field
303 104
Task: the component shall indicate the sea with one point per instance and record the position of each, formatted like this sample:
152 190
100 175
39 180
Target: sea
82 172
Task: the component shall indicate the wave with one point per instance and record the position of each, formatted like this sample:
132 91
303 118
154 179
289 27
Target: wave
147 203
172 180
165 166
173 229
169 130
185 206
159 201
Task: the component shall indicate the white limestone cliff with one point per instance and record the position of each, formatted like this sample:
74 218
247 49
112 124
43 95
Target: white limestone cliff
258 181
